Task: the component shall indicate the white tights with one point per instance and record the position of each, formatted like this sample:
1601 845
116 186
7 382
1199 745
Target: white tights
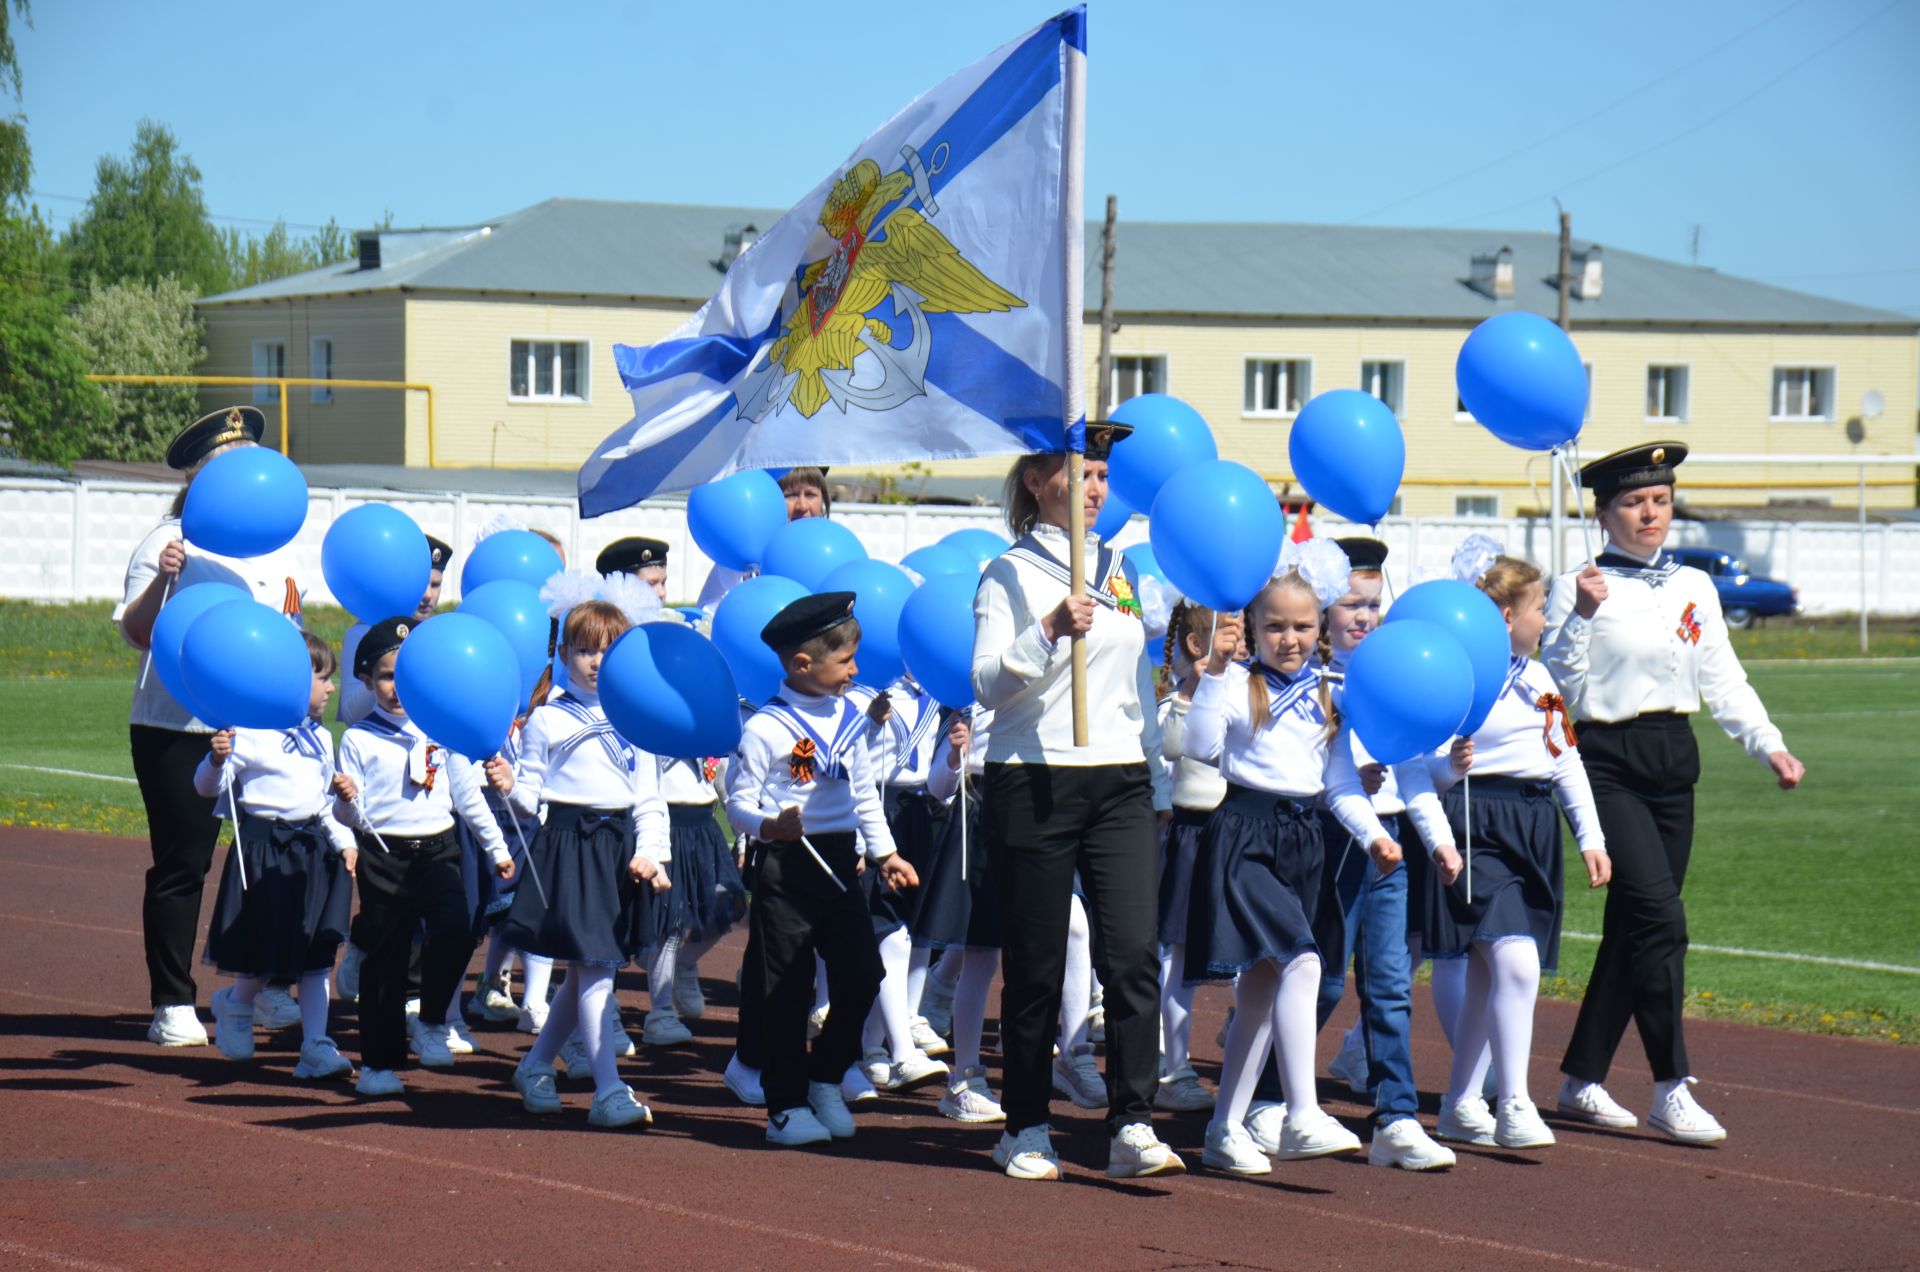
890 1022
975 967
315 989
581 1006
1176 1007
1272 1007
1502 981
676 956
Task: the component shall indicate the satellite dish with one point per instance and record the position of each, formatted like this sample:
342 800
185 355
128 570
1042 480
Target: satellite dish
1856 431
1872 402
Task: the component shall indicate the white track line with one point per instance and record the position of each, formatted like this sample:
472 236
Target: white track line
1844 715
1714 1168
55 1258
14 863
1784 956
1815 663
98 777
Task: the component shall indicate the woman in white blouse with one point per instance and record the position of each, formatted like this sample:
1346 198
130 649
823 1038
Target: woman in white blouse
1635 642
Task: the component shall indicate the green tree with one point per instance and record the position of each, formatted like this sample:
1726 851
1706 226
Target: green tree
277 254
147 220
136 328
9 59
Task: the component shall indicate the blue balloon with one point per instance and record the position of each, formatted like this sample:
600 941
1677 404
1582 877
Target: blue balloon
1141 554
510 554
734 519
936 637
1216 530
245 503
809 549
1347 450
977 542
940 558
516 612
1522 378
1468 615
170 629
880 591
457 677
376 562
1408 687
1168 435
246 666
1114 516
737 621
668 690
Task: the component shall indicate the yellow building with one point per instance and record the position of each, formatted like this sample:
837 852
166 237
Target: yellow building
514 323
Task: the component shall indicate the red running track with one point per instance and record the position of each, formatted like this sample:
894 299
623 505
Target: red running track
117 1154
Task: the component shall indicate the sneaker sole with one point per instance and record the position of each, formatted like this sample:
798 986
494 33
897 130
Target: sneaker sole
1620 1122
972 1119
1307 1155
1687 1137
608 1124
1466 1137
1548 1142
909 1084
539 1109
342 1074
745 1097
1172 1166
1079 1101
1029 1174
178 1042
1398 1163
1232 1168
1182 1106
785 1142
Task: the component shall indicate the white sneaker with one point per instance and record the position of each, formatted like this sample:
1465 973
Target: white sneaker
232 1025
1314 1133
535 1085
616 1031
1350 1066
1467 1121
817 1020
926 1039
663 1029
177 1026
490 1003
856 1086
429 1043
459 1038
1097 1027
1680 1116
619 1107
917 1069
830 1107
1519 1125
1078 1078
275 1009
322 1059
689 1003
347 980
532 1018
796 1127
970 1100
379 1082
1028 1155
1403 1142
1181 1092
573 1057
1137 1153
1589 1102
745 1085
876 1065
1231 1149
1265 1120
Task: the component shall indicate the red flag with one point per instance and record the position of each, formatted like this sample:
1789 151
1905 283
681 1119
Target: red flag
1302 529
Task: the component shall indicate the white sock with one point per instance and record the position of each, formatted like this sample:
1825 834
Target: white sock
245 990
692 950
1471 1027
498 952
917 964
1248 1035
1076 988
1295 1004
943 974
594 993
896 947
1515 968
1176 1006
315 989
662 967
537 970
975 969
562 1020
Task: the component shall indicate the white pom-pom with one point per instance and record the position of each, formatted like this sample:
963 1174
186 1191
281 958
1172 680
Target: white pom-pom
1156 607
569 588
1475 556
496 523
634 597
1323 565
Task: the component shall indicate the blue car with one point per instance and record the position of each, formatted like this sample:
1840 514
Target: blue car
1743 596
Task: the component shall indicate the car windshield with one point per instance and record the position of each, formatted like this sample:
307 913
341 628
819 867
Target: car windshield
1735 565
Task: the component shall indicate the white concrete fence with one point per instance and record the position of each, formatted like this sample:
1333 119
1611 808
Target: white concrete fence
67 541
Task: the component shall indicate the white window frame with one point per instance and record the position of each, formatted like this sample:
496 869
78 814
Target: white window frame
1399 409
1773 392
1686 396
1282 414
1587 414
556 398
1459 495
1113 372
268 393
1461 415
319 392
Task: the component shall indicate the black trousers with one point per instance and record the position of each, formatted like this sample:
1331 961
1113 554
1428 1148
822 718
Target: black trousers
1043 823
798 911
748 1032
1643 773
182 829
408 881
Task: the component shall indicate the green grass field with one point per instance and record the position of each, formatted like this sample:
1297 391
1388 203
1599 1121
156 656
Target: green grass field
1829 871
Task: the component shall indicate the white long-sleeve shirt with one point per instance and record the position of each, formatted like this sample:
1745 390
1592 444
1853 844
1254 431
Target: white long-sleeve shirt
836 790
903 746
688 782
943 779
410 786
1529 736
1027 682
279 774
571 754
1197 785
1657 643
1405 788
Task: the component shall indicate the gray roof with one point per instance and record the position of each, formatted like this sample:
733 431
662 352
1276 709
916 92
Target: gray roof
664 251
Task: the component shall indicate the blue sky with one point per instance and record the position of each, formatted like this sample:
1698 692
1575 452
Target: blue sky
1788 130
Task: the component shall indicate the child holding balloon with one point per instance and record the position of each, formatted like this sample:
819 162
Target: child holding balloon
600 854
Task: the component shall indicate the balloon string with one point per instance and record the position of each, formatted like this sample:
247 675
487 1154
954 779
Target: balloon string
1570 470
806 843
239 849
1466 796
147 665
526 854
965 750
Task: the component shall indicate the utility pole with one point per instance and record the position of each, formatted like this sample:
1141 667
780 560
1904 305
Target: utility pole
1557 511
1566 262
1101 404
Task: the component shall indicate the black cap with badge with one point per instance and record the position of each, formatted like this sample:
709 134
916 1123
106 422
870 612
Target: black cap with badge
630 556
806 618
1364 554
1635 467
210 432
439 553
1102 435
380 640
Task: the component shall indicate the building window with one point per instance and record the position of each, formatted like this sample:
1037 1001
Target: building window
547 371
1476 505
269 362
1803 394
320 367
1587 412
1134 374
1386 381
1277 386
1461 415
1666 393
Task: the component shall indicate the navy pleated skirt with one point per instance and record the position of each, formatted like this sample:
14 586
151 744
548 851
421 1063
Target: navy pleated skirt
488 896
956 906
910 817
1518 870
577 902
293 914
1177 852
707 897
1256 884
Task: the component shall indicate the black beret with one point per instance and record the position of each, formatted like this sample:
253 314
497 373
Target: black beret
440 553
1101 436
806 618
380 640
630 556
1649 465
1364 554
209 433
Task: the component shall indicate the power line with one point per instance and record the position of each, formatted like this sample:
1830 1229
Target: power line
211 216
1864 273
